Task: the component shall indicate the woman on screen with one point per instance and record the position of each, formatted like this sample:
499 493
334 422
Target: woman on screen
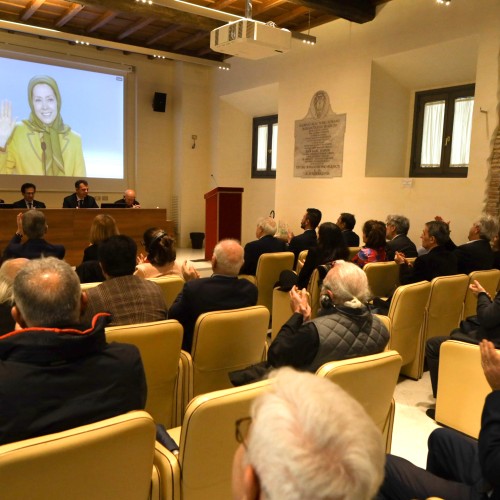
43 144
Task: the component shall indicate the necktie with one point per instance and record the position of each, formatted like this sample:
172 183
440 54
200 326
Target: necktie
80 203
30 205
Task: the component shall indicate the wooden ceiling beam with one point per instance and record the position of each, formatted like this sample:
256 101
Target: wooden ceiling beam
221 4
265 6
161 13
290 15
135 26
188 40
162 33
102 20
71 12
358 11
31 8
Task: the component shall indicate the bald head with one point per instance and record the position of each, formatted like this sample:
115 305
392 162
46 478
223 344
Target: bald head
129 197
227 258
8 272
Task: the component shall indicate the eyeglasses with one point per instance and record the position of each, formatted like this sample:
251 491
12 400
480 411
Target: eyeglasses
242 427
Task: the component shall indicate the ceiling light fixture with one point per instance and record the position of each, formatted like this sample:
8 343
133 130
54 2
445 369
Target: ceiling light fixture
444 2
307 39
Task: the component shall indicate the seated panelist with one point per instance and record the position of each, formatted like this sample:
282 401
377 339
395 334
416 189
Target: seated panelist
128 200
80 198
28 190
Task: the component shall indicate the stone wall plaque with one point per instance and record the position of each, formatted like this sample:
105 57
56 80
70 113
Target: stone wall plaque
319 140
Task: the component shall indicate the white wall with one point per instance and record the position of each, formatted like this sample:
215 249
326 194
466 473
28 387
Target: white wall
341 64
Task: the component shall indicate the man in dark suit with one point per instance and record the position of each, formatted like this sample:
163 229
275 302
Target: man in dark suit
128 200
476 254
32 225
397 227
28 189
223 290
308 238
458 467
346 222
437 262
80 198
265 243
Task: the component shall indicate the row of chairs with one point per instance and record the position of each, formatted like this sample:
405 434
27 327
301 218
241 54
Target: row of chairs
118 457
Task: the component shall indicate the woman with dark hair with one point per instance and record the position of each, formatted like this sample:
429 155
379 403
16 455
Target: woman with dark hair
374 243
331 246
160 259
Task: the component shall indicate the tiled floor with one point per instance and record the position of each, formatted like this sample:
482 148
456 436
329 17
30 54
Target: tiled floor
411 425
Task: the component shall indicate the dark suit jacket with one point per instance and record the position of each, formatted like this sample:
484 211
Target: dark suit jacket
32 249
72 202
488 443
22 204
400 243
438 262
254 249
475 255
121 201
304 241
216 293
351 238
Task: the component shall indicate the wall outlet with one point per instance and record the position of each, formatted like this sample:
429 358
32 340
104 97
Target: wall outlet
407 183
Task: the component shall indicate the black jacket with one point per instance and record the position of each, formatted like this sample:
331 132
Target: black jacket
400 243
475 255
305 241
22 204
71 201
254 249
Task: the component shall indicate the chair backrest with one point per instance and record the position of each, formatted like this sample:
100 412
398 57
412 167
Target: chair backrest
407 314
386 321
314 290
353 251
300 261
160 345
170 286
489 280
268 272
383 277
224 341
370 380
85 286
108 459
207 443
462 387
281 311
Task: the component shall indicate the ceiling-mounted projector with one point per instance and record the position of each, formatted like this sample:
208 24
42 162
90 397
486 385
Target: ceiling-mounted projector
250 39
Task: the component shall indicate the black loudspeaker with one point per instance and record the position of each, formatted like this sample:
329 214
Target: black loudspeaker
160 102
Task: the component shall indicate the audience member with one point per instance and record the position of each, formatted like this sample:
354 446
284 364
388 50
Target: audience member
308 439
161 254
32 224
397 227
28 190
476 254
331 247
128 298
56 373
486 325
223 290
8 272
458 467
307 239
495 246
374 243
438 261
128 200
346 222
80 198
343 329
265 243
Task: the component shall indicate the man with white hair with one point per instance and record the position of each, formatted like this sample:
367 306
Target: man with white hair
55 372
223 290
344 328
308 439
265 243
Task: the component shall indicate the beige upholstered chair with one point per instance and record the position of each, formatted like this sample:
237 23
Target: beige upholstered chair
489 280
268 272
85 286
370 380
444 310
224 341
170 286
207 445
407 314
353 251
462 387
160 345
383 277
301 260
108 459
314 290
386 321
281 311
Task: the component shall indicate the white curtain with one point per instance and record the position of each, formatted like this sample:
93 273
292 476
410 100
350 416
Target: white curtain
432 134
462 125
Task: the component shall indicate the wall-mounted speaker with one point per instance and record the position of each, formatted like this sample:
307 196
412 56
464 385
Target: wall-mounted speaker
160 102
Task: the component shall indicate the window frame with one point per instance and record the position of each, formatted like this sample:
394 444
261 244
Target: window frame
258 121
448 94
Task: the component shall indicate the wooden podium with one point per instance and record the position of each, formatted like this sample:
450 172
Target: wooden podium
222 216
